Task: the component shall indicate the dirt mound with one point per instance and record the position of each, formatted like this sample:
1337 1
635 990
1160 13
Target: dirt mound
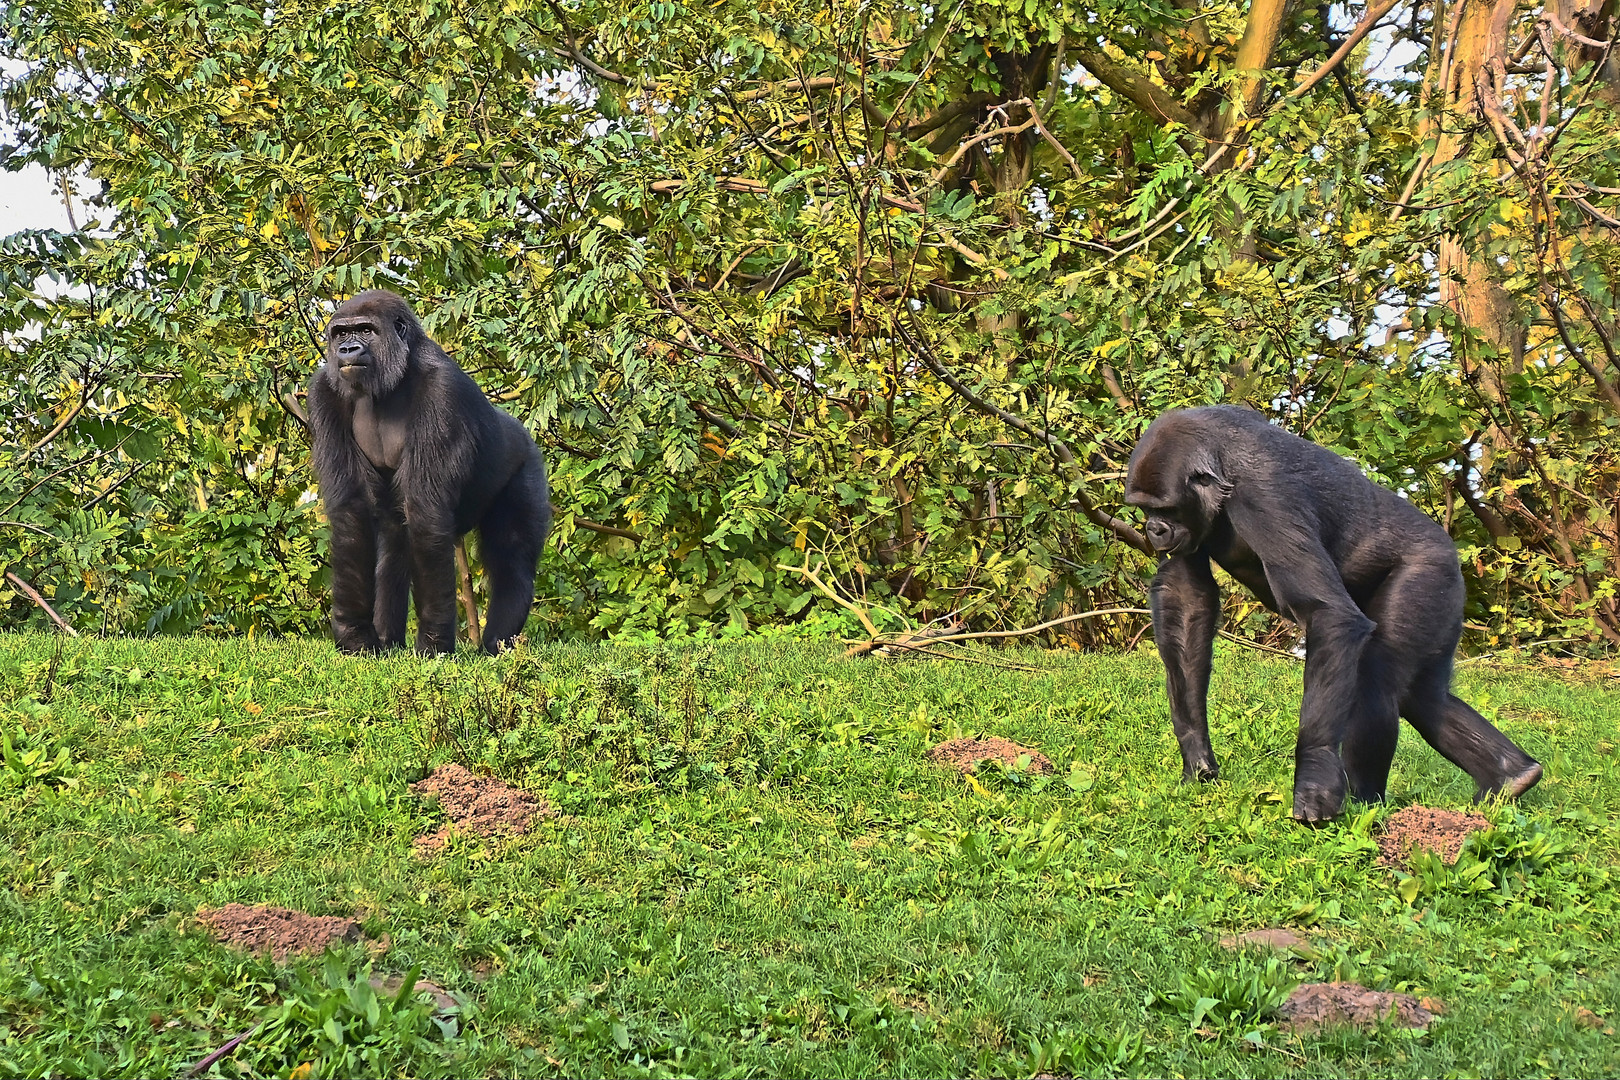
276 930
1276 938
1440 831
476 805
963 754
1313 1006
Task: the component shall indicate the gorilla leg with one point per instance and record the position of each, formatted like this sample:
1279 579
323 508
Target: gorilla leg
1419 612
354 567
1186 606
1465 738
1402 611
433 577
1370 738
393 582
509 541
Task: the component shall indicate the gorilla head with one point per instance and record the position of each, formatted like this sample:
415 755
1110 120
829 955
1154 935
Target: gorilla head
369 343
1176 477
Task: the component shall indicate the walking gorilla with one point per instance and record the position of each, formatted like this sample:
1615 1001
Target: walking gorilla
1373 581
410 456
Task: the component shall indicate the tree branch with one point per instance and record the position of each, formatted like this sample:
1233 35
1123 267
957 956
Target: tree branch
1254 51
1064 455
469 603
576 54
67 418
1494 525
606 530
1135 87
40 600
1363 28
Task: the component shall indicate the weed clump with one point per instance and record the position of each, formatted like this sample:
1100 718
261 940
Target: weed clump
1233 999
1518 861
337 1024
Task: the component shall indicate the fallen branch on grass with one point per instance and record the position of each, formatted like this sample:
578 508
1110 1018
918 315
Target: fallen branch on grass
980 634
1258 646
221 1052
811 575
880 646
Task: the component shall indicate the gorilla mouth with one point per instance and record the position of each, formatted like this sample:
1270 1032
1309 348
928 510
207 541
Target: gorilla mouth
352 367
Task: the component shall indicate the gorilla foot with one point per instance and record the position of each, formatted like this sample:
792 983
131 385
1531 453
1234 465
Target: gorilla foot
1202 773
1513 786
426 646
1317 806
359 645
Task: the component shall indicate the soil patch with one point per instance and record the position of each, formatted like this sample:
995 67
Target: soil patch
1276 938
278 931
963 754
391 986
476 805
1439 831
1313 1006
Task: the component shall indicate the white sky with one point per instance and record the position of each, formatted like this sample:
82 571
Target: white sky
28 201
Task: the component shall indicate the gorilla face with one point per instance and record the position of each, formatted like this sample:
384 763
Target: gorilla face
1175 477
368 344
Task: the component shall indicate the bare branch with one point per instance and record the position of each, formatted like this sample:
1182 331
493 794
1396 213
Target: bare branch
1025 632
606 530
469 603
67 418
575 53
811 574
821 82
40 600
1135 87
1363 28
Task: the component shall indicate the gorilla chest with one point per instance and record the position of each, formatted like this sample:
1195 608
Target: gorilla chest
379 430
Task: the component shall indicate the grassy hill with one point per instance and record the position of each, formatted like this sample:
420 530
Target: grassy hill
753 870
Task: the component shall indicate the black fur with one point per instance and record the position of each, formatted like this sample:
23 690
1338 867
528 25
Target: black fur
1373 581
410 456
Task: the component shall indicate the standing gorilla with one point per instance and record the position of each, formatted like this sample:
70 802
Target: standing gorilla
410 455
1373 581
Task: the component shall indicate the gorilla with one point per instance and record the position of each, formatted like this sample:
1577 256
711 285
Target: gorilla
1373 581
411 455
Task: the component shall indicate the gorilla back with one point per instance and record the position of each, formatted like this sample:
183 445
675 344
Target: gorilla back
411 455
1373 581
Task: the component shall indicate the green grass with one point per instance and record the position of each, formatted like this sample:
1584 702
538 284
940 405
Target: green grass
754 871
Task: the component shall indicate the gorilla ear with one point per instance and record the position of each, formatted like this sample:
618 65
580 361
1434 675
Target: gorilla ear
1208 483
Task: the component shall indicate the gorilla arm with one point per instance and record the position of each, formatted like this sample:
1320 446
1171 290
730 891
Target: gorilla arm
1186 610
345 476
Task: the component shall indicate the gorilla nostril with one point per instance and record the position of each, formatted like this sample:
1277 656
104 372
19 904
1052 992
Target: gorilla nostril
348 349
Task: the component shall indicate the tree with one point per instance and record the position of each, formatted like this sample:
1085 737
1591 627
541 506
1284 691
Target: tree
891 288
